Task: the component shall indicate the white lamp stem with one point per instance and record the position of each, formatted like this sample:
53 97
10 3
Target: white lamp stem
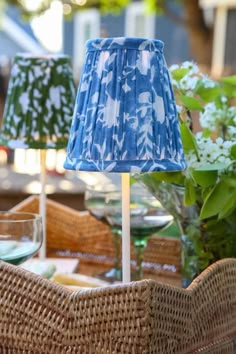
125 190
42 201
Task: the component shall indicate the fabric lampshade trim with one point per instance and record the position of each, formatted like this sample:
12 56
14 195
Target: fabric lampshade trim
125 117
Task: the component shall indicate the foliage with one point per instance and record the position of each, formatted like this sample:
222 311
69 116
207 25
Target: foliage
210 153
159 6
198 30
203 197
70 7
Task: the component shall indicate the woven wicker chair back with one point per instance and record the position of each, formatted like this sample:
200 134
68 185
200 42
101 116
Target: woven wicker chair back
40 317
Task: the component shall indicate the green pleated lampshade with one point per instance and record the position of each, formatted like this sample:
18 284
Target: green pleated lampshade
39 104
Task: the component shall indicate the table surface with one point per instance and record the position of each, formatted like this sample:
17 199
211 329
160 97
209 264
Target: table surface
62 265
14 183
95 266
93 269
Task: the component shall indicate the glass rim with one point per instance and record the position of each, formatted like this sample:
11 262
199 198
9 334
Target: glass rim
32 216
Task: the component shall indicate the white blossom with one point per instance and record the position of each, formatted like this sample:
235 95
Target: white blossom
191 66
207 82
209 151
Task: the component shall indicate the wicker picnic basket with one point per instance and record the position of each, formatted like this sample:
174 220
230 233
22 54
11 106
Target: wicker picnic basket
78 234
145 317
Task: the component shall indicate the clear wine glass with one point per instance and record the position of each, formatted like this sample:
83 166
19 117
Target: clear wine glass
21 235
147 217
95 202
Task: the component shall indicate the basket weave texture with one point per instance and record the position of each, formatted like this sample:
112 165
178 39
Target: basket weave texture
74 231
145 317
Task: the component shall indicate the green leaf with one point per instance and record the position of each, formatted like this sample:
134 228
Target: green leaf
190 193
229 207
150 6
230 181
191 103
188 139
228 90
204 192
216 200
178 74
233 152
213 167
132 180
229 79
207 94
205 178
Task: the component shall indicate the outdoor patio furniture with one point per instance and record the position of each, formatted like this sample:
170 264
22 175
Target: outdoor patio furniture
39 316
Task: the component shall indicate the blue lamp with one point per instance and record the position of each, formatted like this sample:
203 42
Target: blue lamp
125 117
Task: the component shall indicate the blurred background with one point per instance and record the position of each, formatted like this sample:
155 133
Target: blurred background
198 30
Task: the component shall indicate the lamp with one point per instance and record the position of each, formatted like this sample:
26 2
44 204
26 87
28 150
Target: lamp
125 117
38 110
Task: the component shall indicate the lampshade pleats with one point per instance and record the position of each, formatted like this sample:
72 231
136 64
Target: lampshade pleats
40 102
125 116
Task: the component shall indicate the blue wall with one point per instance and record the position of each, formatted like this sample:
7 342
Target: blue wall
175 38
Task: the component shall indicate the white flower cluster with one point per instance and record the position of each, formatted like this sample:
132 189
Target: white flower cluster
210 152
213 117
188 83
189 80
217 117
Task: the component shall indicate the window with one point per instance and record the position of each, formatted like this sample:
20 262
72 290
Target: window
138 23
86 26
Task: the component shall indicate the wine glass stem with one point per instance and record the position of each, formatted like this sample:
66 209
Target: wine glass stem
139 251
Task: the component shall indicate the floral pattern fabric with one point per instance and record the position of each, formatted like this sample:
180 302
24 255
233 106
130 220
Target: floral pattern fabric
125 116
40 102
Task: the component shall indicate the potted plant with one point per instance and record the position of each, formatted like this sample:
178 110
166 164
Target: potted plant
203 197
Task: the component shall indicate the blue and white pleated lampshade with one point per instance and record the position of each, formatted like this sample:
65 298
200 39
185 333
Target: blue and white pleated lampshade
40 102
125 117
